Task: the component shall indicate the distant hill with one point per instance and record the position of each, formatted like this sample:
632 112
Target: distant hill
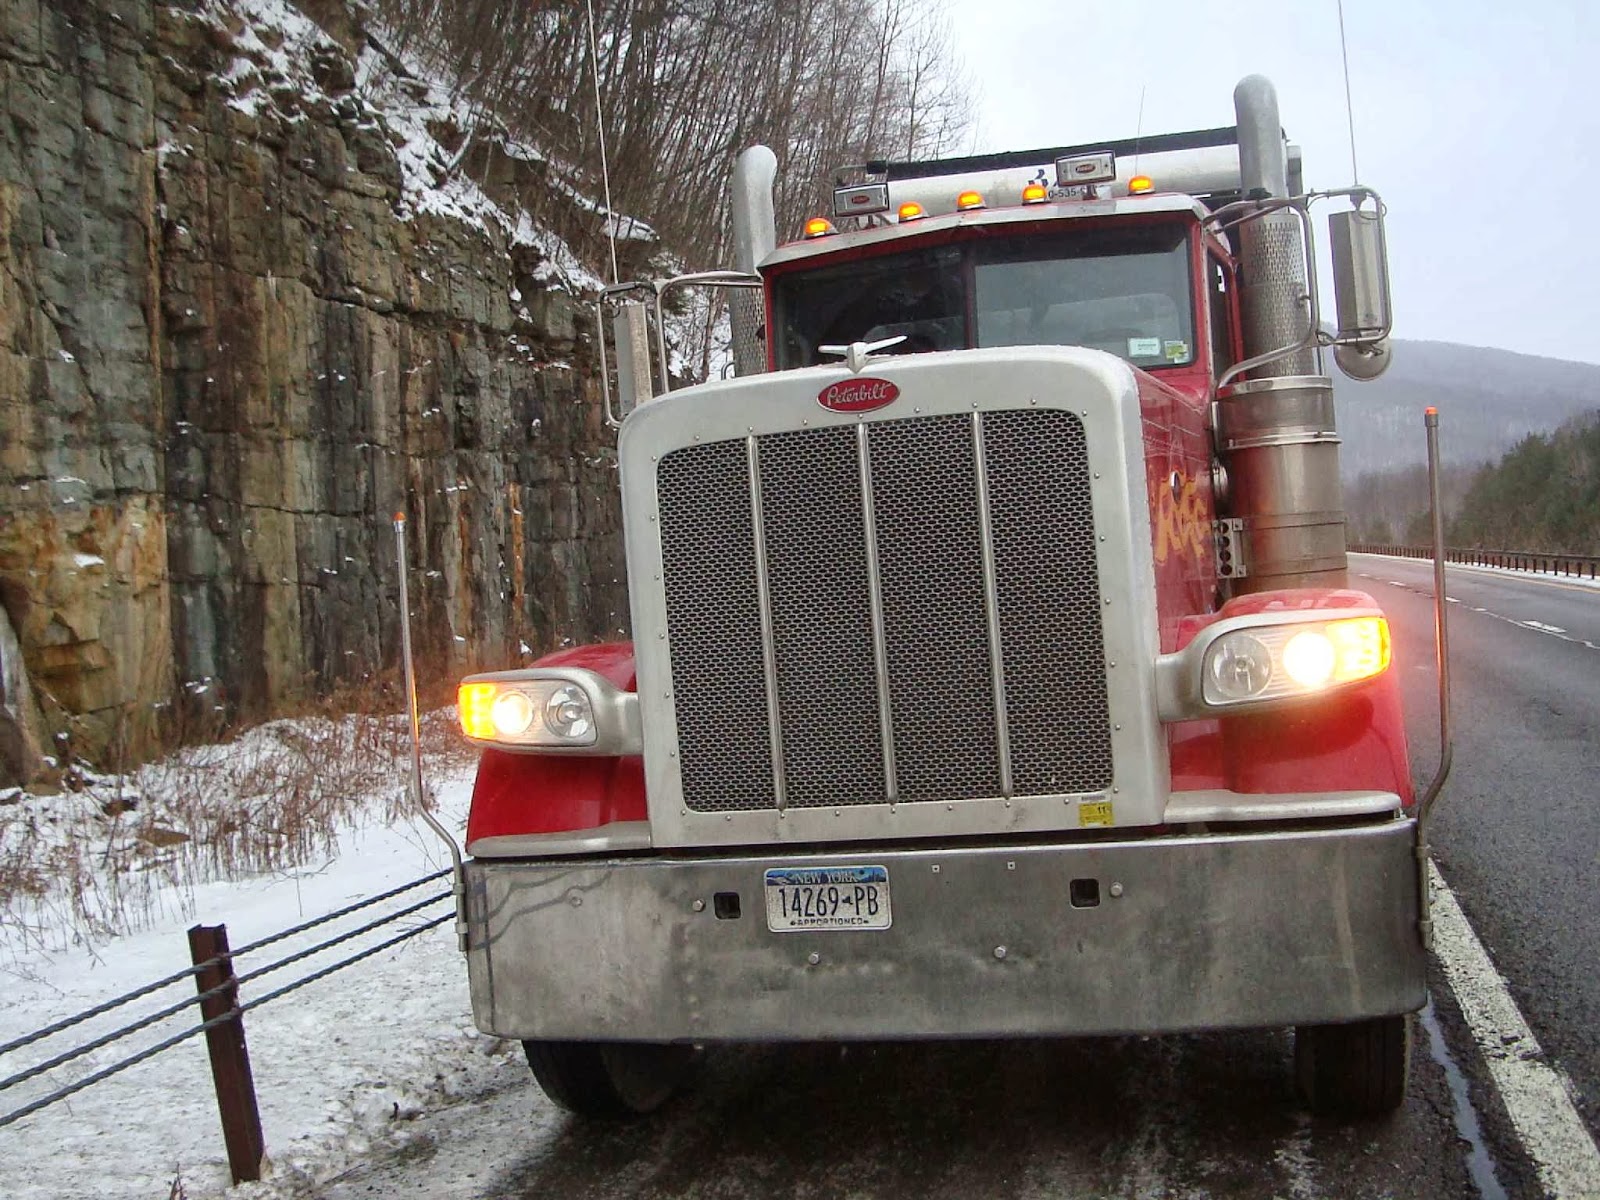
1488 400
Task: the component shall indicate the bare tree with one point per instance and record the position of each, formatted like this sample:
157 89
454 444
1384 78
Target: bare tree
686 84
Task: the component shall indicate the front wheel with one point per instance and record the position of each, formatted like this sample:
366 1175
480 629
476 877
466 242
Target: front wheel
1357 1069
609 1079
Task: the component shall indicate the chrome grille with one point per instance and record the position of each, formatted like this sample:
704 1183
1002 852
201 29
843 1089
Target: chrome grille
919 531
713 608
821 621
925 500
1049 594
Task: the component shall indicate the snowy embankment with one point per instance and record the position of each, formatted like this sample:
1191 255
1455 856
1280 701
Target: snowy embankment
340 1065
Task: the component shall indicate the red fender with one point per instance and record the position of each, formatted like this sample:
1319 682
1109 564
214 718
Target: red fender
559 793
1351 740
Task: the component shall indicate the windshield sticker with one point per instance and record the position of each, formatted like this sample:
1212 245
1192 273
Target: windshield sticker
1142 347
1175 351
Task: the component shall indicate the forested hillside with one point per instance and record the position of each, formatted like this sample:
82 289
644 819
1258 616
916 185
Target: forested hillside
1487 400
1543 495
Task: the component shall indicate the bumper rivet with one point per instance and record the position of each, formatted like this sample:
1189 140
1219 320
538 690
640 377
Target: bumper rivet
813 958
999 951
698 906
1116 889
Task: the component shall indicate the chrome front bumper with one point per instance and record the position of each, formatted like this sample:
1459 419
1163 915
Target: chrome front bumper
1194 932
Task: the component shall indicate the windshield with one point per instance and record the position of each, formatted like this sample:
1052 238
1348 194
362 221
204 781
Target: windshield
1126 291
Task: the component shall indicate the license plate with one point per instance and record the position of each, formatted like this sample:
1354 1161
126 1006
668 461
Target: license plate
805 898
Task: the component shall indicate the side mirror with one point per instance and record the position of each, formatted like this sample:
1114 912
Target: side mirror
1361 286
630 330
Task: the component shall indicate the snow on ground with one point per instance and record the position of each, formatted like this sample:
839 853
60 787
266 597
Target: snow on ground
340 1065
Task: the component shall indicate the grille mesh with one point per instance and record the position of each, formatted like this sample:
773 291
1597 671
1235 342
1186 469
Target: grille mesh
929 542
1049 599
821 618
930 555
713 612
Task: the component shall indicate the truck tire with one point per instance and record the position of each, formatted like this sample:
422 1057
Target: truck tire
1353 1070
608 1079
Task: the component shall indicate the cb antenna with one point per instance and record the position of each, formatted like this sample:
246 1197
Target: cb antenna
1349 111
600 124
1138 129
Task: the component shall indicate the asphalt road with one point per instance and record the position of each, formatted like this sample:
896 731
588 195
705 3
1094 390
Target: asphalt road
1205 1115
1200 1116
1517 834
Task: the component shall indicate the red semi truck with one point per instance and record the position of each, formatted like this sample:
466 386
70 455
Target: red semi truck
994 671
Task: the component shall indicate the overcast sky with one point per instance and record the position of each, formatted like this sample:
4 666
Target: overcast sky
1478 121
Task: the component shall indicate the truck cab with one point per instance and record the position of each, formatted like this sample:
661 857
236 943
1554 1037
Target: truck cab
993 671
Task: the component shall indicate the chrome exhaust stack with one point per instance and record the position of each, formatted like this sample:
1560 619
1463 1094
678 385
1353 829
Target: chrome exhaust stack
755 234
1275 430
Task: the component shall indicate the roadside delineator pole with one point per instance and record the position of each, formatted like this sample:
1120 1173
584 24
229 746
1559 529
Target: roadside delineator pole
230 1060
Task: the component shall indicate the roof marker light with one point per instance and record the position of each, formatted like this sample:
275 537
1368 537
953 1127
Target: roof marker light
969 200
1035 193
911 210
819 227
1140 184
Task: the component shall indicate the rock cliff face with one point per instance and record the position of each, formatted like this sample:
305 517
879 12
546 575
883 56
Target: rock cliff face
234 340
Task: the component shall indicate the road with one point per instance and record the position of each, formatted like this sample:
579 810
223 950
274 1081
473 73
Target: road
1205 1115
1517 834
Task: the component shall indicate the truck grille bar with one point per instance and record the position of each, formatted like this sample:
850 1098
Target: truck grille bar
769 665
896 612
880 639
991 608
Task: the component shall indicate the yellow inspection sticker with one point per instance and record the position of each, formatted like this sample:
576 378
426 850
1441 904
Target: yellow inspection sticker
1096 812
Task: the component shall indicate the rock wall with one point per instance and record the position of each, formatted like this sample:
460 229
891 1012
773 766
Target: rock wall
229 352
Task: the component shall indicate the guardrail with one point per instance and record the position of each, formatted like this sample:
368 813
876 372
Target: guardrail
1576 566
222 1015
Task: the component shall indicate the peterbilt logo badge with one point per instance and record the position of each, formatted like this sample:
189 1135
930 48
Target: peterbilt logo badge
862 394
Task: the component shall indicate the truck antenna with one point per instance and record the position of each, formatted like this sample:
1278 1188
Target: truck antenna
1349 111
1138 129
600 124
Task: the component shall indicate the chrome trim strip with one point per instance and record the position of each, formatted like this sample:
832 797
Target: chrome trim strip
991 607
1220 805
769 645
604 839
880 637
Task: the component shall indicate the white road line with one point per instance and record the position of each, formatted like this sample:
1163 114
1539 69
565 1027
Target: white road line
1536 1096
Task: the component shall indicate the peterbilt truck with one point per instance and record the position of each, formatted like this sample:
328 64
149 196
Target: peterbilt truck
994 667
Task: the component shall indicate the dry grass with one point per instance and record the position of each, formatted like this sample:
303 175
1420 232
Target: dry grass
109 851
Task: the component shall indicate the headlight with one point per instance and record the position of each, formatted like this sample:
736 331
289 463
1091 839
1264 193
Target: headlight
1238 668
1244 662
549 709
569 715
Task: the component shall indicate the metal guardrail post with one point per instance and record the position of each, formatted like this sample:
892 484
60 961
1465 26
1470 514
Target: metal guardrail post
230 1060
